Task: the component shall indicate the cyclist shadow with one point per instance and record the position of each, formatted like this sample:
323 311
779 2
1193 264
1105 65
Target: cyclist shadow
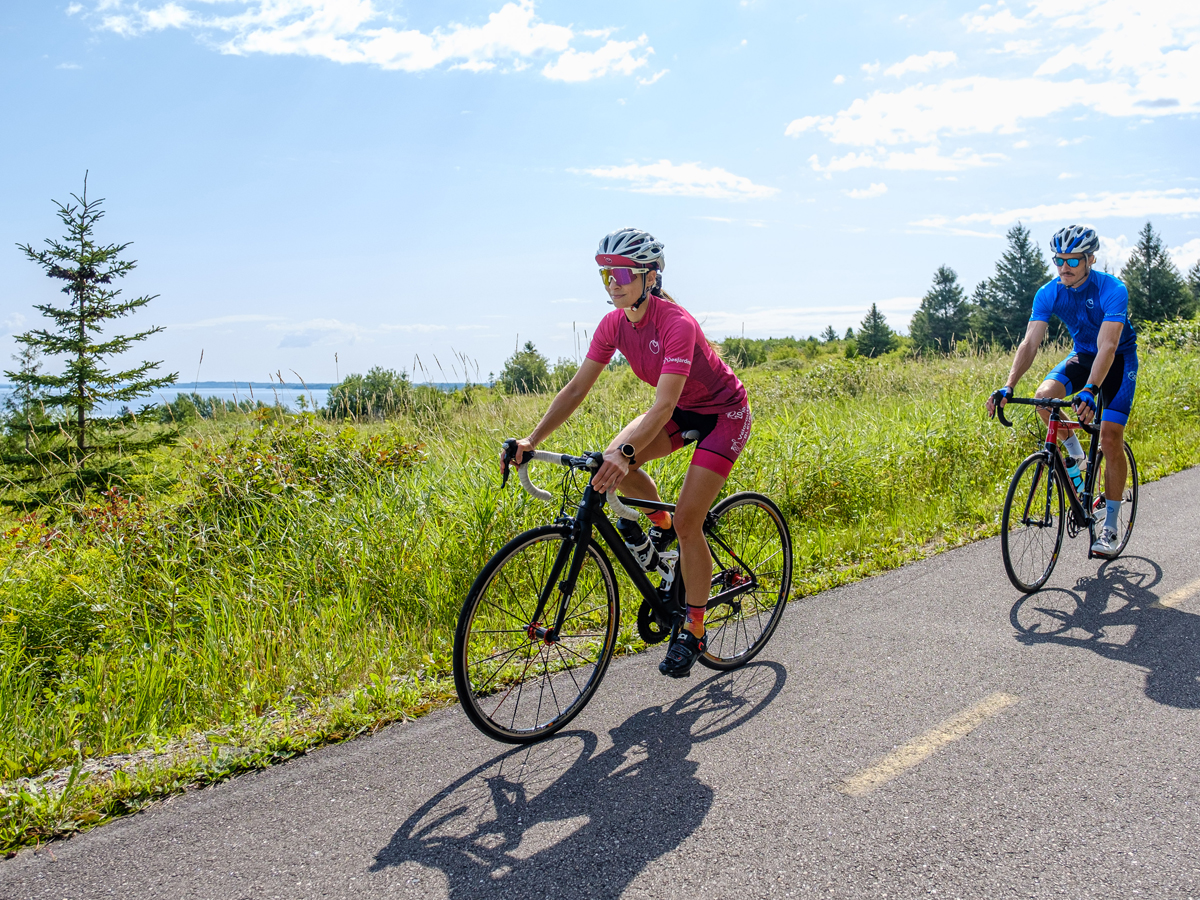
559 815
1165 641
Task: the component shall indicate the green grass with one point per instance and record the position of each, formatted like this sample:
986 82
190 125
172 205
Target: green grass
286 582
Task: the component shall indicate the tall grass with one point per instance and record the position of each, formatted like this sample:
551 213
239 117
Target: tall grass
285 561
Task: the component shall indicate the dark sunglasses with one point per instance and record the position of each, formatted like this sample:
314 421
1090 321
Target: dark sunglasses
1073 263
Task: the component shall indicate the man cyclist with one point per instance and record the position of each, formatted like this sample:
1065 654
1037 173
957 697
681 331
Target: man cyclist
1094 306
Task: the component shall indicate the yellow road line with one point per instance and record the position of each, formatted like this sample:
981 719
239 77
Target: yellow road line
1177 596
915 751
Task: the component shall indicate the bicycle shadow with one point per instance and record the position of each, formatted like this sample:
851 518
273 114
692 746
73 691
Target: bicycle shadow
1165 641
559 816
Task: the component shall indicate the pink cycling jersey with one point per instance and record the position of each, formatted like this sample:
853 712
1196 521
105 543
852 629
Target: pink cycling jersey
669 341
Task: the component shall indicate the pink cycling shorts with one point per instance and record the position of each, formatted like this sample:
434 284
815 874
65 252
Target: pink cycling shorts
722 436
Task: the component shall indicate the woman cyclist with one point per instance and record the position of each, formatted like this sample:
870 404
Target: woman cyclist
694 391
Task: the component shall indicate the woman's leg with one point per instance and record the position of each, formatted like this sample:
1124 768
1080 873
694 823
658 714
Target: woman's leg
700 489
637 483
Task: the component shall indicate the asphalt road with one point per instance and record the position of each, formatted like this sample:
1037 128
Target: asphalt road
924 733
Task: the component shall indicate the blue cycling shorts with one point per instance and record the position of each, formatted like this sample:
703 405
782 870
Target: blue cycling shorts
1118 388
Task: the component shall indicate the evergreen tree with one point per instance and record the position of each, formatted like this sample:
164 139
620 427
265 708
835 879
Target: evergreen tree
83 449
944 315
1193 283
1156 290
1005 300
849 334
828 336
875 337
525 372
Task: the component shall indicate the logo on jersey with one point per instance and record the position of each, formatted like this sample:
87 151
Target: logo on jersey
1089 302
654 348
1132 376
678 359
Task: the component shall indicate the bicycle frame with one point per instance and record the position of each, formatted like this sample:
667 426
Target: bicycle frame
590 516
1081 502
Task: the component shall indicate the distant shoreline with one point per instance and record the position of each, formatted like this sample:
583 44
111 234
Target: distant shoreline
198 387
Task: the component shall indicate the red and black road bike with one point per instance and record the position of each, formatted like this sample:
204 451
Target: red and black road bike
1043 502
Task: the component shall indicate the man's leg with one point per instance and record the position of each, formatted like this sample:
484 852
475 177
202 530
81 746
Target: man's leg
1116 467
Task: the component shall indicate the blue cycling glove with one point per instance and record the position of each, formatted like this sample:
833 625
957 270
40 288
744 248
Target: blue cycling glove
1005 392
1086 398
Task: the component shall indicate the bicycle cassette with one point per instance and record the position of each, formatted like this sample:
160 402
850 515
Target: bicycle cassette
650 627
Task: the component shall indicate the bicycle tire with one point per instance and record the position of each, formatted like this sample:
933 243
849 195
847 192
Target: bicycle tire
515 687
1129 499
1029 558
752 527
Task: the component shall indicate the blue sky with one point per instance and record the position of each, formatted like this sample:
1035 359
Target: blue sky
387 181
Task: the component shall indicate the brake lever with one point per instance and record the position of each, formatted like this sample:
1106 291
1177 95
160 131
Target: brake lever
510 453
997 396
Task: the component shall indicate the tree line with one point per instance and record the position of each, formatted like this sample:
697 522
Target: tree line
998 310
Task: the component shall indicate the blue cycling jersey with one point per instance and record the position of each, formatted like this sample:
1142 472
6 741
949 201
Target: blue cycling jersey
1102 298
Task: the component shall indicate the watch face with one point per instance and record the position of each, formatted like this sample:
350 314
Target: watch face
627 451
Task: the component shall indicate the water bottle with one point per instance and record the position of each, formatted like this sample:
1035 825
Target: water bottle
1075 472
639 544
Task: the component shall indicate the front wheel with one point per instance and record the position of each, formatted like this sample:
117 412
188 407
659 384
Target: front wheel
1031 532
1129 500
752 578
518 683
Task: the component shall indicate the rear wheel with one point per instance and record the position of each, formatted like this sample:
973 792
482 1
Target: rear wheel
1033 524
516 683
1129 500
752 578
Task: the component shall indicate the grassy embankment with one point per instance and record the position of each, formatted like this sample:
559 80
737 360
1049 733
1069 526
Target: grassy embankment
288 583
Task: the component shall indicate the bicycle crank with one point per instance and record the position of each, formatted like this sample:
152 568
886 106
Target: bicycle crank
651 628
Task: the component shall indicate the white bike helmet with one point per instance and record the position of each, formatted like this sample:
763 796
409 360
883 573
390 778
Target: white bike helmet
1075 239
631 247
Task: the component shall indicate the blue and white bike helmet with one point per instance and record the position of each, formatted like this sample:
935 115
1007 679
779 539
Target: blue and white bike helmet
1075 239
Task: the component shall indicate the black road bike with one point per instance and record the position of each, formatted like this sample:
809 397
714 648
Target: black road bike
1035 515
541 621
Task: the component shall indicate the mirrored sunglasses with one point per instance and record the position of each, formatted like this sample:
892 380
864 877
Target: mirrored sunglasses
1073 263
622 275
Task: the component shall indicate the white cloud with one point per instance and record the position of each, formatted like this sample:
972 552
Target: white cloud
13 322
871 68
1002 22
333 332
875 190
653 78
1114 253
685 179
1125 59
934 59
614 56
1089 207
225 320
925 112
356 31
67 65
923 159
801 320
1187 255
840 79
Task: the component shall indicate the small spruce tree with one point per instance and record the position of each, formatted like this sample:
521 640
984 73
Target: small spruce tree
83 449
1193 283
1005 300
828 336
944 315
1156 290
874 337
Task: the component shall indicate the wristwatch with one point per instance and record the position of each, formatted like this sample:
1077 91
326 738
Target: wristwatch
627 452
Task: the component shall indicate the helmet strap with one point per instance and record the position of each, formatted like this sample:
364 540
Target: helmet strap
645 289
